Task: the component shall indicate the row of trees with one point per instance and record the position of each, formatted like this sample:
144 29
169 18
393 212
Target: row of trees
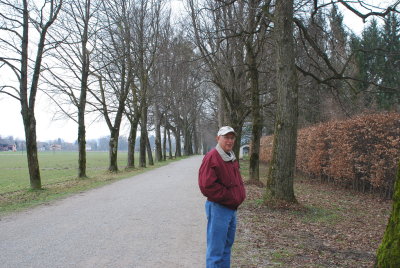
231 61
110 59
243 63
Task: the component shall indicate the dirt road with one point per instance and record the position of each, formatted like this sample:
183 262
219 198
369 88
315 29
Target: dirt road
155 219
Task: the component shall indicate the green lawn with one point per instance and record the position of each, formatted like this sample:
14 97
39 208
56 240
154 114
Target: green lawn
54 167
58 172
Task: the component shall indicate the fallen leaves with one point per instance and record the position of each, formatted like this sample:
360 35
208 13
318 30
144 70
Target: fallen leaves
330 227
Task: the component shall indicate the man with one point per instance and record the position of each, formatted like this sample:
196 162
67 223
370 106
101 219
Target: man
220 181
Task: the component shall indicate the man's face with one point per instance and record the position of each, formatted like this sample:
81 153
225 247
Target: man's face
226 141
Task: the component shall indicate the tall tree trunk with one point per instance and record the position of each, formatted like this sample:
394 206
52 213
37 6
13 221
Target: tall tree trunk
143 137
131 144
178 147
205 145
388 254
187 141
149 151
28 105
221 109
281 171
82 97
165 144
254 173
169 144
158 151
27 112
82 143
237 126
196 140
113 150
31 149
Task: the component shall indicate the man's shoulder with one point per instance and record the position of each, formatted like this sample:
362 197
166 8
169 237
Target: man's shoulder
211 155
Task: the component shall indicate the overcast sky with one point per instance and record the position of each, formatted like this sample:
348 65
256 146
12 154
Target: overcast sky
48 129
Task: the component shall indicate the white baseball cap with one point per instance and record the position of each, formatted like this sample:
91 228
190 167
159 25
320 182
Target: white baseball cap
225 130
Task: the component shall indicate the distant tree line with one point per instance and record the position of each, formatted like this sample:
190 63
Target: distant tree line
100 144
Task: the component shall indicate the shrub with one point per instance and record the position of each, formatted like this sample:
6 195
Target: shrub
361 152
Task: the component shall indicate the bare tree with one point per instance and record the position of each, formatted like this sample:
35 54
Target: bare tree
281 170
214 26
17 19
183 92
146 37
114 71
132 112
68 76
280 175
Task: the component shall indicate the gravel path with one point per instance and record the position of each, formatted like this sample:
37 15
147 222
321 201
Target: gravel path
155 219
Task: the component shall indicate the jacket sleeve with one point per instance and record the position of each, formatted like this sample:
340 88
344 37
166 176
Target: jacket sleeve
210 185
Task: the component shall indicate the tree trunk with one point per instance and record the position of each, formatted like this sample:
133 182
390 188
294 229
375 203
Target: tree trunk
27 112
178 149
31 149
281 171
221 109
149 151
113 150
143 138
237 126
187 141
131 145
196 140
254 173
169 144
388 254
82 98
205 145
82 143
158 151
165 144
28 105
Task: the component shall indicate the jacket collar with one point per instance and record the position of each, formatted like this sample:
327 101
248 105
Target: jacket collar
224 155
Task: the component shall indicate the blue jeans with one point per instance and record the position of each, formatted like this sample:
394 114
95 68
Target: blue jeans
221 228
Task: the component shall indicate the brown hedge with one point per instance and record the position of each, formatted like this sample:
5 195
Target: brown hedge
362 151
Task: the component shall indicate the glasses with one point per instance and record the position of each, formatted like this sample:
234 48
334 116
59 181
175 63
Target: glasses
229 137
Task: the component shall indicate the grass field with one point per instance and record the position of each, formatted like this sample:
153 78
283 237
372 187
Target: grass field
59 176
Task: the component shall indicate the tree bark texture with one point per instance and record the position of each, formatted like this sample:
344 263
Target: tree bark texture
149 151
178 149
196 139
82 143
282 166
388 254
28 104
165 144
31 149
27 111
143 135
157 123
82 97
254 173
131 144
113 150
169 144
187 145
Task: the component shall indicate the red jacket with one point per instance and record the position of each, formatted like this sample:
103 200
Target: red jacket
220 181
